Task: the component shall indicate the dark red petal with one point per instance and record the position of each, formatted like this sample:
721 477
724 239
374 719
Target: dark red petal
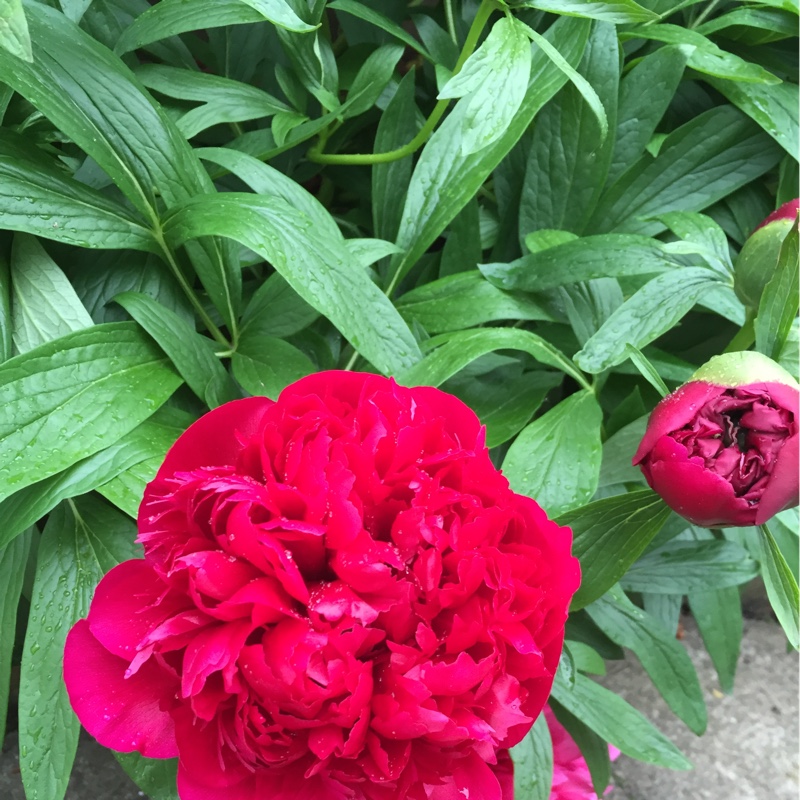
125 714
675 411
783 486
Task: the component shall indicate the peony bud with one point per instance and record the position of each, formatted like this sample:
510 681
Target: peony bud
756 262
723 448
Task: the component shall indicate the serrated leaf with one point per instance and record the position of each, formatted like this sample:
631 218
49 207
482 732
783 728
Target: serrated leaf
556 459
533 763
651 311
82 540
680 567
317 267
663 657
454 351
37 197
777 308
45 305
70 398
493 81
466 300
264 365
614 720
13 561
609 535
188 350
606 255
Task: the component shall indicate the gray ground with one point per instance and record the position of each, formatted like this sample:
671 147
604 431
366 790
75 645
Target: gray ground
750 751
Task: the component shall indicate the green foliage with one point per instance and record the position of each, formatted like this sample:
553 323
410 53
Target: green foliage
534 204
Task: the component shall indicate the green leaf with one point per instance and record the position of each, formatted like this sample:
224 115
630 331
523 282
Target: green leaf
593 748
618 452
586 658
644 95
149 440
264 365
454 351
366 252
171 17
14 36
188 350
380 21
155 777
781 586
706 57
649 372
609 535
718 614
777 308
614 720
556 459
445 179
620 11
699 163
680 567
224 100
65 400
568 160
82 540
773 107
75 9
6 344
107 113
651 311
398 125
465 300
663 657
494 80
13 560
607 255
275 309
38 197
45 305
703 234
533 763
315 266
280 13
372 79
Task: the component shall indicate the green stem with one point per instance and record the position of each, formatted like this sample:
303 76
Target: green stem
169 257
745 336
471 42
451 23
696 23
351 362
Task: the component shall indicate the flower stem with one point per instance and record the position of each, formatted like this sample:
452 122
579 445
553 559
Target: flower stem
317 155
745 336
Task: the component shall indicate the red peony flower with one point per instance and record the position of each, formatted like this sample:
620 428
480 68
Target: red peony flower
340 598
723 449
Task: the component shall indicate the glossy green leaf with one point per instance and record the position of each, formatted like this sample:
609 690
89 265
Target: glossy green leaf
569 159
533 763
556 459
618 452
190 352
156 777
44 304
609 535
454 351
703 235
773 106
680 567
82 540
466 300
108 114
13 560
781 586
372 79
698 163
314 265
649 372
607 255
445 179
493 81
264 365
609 716
14 35
620 11
644 95
275 309
171 17
718 614
663 657
37 197
6 344
65 400
777 308
651 311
